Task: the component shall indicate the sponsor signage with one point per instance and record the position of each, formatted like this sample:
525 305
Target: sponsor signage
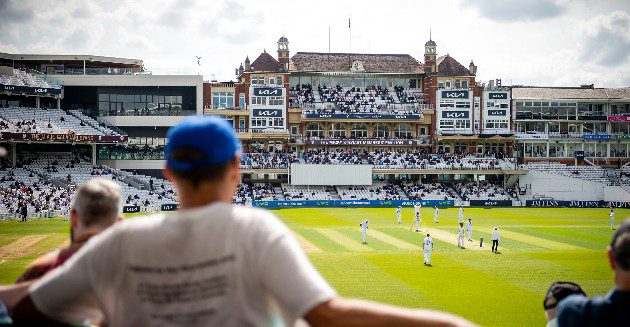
532 136
490 203
267 112
497 95
29 89
565 204
617 204
497 112
362 116
169 207
597 137
619 118
591 117
268 91
131 209
621 136
361 142
455 114
63 138
455 94
351 203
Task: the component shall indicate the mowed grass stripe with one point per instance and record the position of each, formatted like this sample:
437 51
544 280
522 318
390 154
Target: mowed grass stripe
537 241
343 240
21 247
585 237
305 244
400 244
372 242
361 278
416 238
319 240
452 238
456 296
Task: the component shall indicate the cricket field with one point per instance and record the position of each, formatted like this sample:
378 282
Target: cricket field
538 246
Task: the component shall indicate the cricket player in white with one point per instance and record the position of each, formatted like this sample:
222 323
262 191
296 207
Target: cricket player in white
427 246
417 219
460 218
496 238
612 219
416 208
469 229
364 227
437 214
399 213
460 236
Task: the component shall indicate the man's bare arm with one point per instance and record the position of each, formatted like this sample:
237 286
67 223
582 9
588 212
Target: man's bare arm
350 312
11 294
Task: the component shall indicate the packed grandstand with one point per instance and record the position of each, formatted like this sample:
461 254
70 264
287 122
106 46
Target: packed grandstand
425 130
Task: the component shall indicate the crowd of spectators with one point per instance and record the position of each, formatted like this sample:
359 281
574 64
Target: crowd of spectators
319 156
262 159
428 191
482 191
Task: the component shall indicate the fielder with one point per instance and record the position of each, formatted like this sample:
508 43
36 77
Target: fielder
460 218
364 227
399 213
416 208
436 215
460 236
612 219
65 212
417 219
496 238
469 229
427 246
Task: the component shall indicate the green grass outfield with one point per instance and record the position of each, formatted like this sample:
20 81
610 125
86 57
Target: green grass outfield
538 246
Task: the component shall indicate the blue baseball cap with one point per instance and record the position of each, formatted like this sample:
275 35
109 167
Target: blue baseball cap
212 135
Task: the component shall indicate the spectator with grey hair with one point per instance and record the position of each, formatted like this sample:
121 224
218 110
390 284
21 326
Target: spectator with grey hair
96 205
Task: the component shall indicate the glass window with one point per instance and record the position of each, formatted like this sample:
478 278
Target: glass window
103 97
380 131
358 131
464 84
222 100
403 131
337 130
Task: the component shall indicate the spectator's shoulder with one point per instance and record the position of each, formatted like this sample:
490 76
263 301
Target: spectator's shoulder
573 310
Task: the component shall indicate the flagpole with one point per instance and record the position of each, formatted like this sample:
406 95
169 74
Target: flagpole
350 29
328 38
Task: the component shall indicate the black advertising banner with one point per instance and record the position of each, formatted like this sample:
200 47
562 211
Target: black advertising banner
268 91
63 138
564 204
361 142
131 209
490 203
455 94
169 207
362 116
616 204
455 114
29 89
267 112
497 95
497 112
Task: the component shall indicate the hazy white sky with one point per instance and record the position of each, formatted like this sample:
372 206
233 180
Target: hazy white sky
532 42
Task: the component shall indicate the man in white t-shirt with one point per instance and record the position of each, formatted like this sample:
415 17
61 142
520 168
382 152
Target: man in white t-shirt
436 215
416 208
460 216
427 246
496 238
399 213
211 263
417 219
364 227
612 219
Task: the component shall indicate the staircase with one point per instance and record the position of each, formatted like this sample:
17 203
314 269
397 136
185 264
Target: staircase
333 192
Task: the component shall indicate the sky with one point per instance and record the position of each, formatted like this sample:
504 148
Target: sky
532 42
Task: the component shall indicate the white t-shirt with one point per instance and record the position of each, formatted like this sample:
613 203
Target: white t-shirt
437 211
461 232
495 235
469 225
398 211
612 215
428 243
216 265
416 208
364 225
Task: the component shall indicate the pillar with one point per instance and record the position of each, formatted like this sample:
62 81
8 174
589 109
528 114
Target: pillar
58 103
13 153
547 149
93 154
37 102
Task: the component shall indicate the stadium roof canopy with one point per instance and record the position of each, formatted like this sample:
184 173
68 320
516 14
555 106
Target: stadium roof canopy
569 93
90 58
342 62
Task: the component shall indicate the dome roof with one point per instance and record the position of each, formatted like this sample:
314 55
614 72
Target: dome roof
430 43
283 39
